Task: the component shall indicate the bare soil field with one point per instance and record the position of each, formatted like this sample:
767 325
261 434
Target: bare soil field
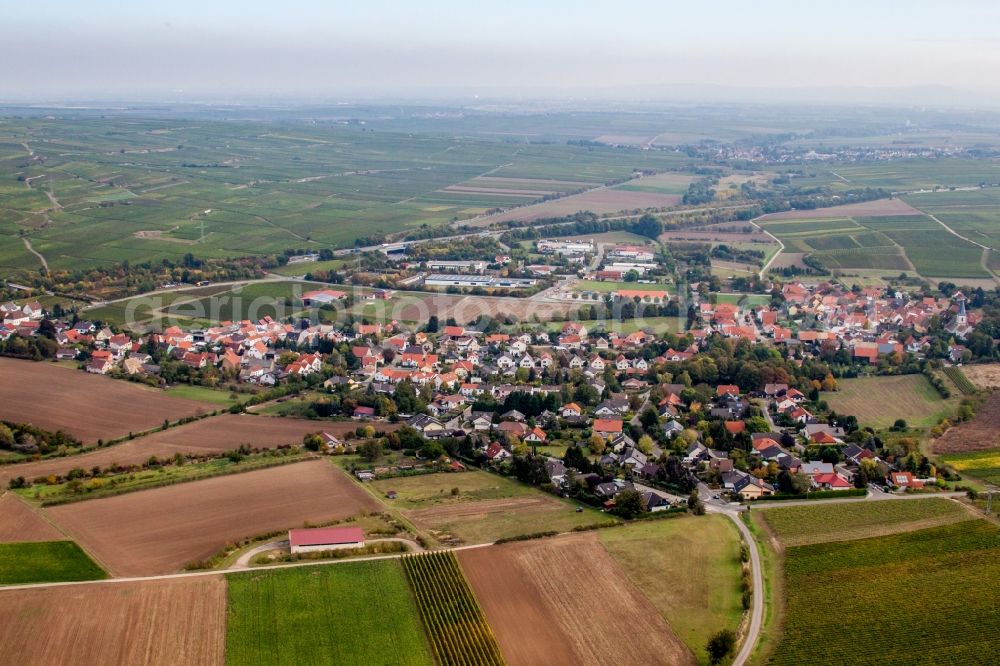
212 435
877 208
985 376
87 406
979 434
470 308
596 201
159 531
166 622
19 522
566 601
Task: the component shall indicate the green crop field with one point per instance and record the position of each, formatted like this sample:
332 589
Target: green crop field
901 243
422 491
920 173
350 613
143 189
478 507
959 379
983 465
453 619
800 525
879 401
46 562
206 394
923 597
689 567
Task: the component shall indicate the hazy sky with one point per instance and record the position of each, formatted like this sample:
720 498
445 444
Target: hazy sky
216 48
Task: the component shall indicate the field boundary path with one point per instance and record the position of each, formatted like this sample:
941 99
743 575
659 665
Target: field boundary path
27 246
781 246
242 563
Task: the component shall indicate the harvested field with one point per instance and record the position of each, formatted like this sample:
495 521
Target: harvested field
598 201
90 407
207 436
984 376
877 208
470 308
879 401
566 601
697 236
159 531
167 622
486 507
19 522
979 434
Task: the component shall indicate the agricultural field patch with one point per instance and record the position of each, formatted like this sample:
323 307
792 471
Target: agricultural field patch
879 401
159 531
958 378
689 568
843 521
917 597
565 601
455 624
86 406
21 523
206 436
878 207
45 562
983 465
982 432
983 375
347 613
179 621
486 508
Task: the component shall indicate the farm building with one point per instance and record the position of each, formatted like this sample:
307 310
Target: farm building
322 297
325 538
457 266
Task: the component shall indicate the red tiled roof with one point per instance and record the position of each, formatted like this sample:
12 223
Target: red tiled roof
325 536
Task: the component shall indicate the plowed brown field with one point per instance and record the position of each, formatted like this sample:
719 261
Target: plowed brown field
211 435
89 407
981 433
19 522
566 601
159 531
166 622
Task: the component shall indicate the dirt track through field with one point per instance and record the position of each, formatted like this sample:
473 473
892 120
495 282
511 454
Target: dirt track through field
207 436
19 522
171 622
87 406
566 601
159 531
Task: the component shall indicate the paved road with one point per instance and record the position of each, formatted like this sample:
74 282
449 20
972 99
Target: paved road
243 562
757 612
